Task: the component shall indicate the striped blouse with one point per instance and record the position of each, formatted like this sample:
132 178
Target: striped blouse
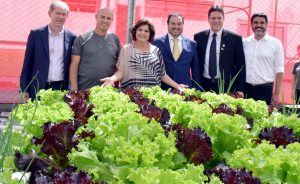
140 68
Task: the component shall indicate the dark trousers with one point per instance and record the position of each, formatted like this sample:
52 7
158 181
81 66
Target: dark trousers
262 92
56 85
210 84
297 96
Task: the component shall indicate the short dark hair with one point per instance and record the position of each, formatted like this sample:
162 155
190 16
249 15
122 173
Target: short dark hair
175 15
215 8
263 15
140 23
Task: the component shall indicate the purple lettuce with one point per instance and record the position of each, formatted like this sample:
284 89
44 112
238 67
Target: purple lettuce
68 176
77 100
160 115
59 139
234 176
176 91
194 98
234 95
31 162
195 144
136 96
281 136
223 108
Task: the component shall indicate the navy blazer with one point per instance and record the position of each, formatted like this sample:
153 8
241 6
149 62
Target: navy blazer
186 64
35 69
232 58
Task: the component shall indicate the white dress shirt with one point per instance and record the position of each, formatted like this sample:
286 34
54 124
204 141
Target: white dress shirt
56 56
264 58
206 64
179 38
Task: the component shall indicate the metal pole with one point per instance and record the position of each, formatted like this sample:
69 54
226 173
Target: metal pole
275 19
130 19
249 17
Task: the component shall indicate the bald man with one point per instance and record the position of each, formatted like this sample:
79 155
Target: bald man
94 53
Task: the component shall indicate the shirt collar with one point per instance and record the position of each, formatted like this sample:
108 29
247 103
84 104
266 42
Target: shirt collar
171 37
53 34
266 37
219 33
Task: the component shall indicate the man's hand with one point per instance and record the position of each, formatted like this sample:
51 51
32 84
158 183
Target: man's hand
240 94
293 97
275 99
72 88
24 97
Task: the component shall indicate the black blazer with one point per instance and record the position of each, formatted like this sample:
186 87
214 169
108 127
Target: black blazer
36 60
232 58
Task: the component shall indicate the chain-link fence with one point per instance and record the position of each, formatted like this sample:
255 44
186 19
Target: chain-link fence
18 17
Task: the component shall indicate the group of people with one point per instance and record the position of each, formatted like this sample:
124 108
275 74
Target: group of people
217 60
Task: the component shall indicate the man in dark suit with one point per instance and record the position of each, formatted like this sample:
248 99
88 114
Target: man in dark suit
47 55
221 56
179 53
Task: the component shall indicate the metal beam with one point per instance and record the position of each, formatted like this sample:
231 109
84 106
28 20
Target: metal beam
130 19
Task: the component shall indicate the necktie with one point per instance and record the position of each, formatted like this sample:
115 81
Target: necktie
176 50
213 57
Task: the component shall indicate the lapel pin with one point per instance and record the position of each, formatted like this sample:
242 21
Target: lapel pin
223 46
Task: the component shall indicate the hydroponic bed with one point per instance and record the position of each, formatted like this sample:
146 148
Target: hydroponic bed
150 136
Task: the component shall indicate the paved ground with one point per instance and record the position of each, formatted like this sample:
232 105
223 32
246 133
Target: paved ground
3 119
8 99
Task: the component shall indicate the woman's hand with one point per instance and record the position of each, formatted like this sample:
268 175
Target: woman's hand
108 81
24 97
182 87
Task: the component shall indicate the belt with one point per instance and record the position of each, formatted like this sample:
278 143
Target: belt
54 82
215 80
261 85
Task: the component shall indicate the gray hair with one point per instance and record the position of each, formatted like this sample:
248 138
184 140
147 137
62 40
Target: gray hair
58 4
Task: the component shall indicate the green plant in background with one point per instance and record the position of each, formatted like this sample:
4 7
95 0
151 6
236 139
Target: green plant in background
221 82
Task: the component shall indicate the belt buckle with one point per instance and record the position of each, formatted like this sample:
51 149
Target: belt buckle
214 80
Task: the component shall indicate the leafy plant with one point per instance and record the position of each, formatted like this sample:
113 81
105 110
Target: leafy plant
77 100
268 163
233 176
104 136
281 136
195 144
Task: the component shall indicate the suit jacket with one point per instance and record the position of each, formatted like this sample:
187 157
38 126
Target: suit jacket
179 70
35 69
232 58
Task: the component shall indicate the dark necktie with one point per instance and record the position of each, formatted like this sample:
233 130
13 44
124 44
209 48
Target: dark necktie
213 57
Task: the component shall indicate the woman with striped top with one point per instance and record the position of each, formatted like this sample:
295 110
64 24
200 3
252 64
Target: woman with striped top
140 63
